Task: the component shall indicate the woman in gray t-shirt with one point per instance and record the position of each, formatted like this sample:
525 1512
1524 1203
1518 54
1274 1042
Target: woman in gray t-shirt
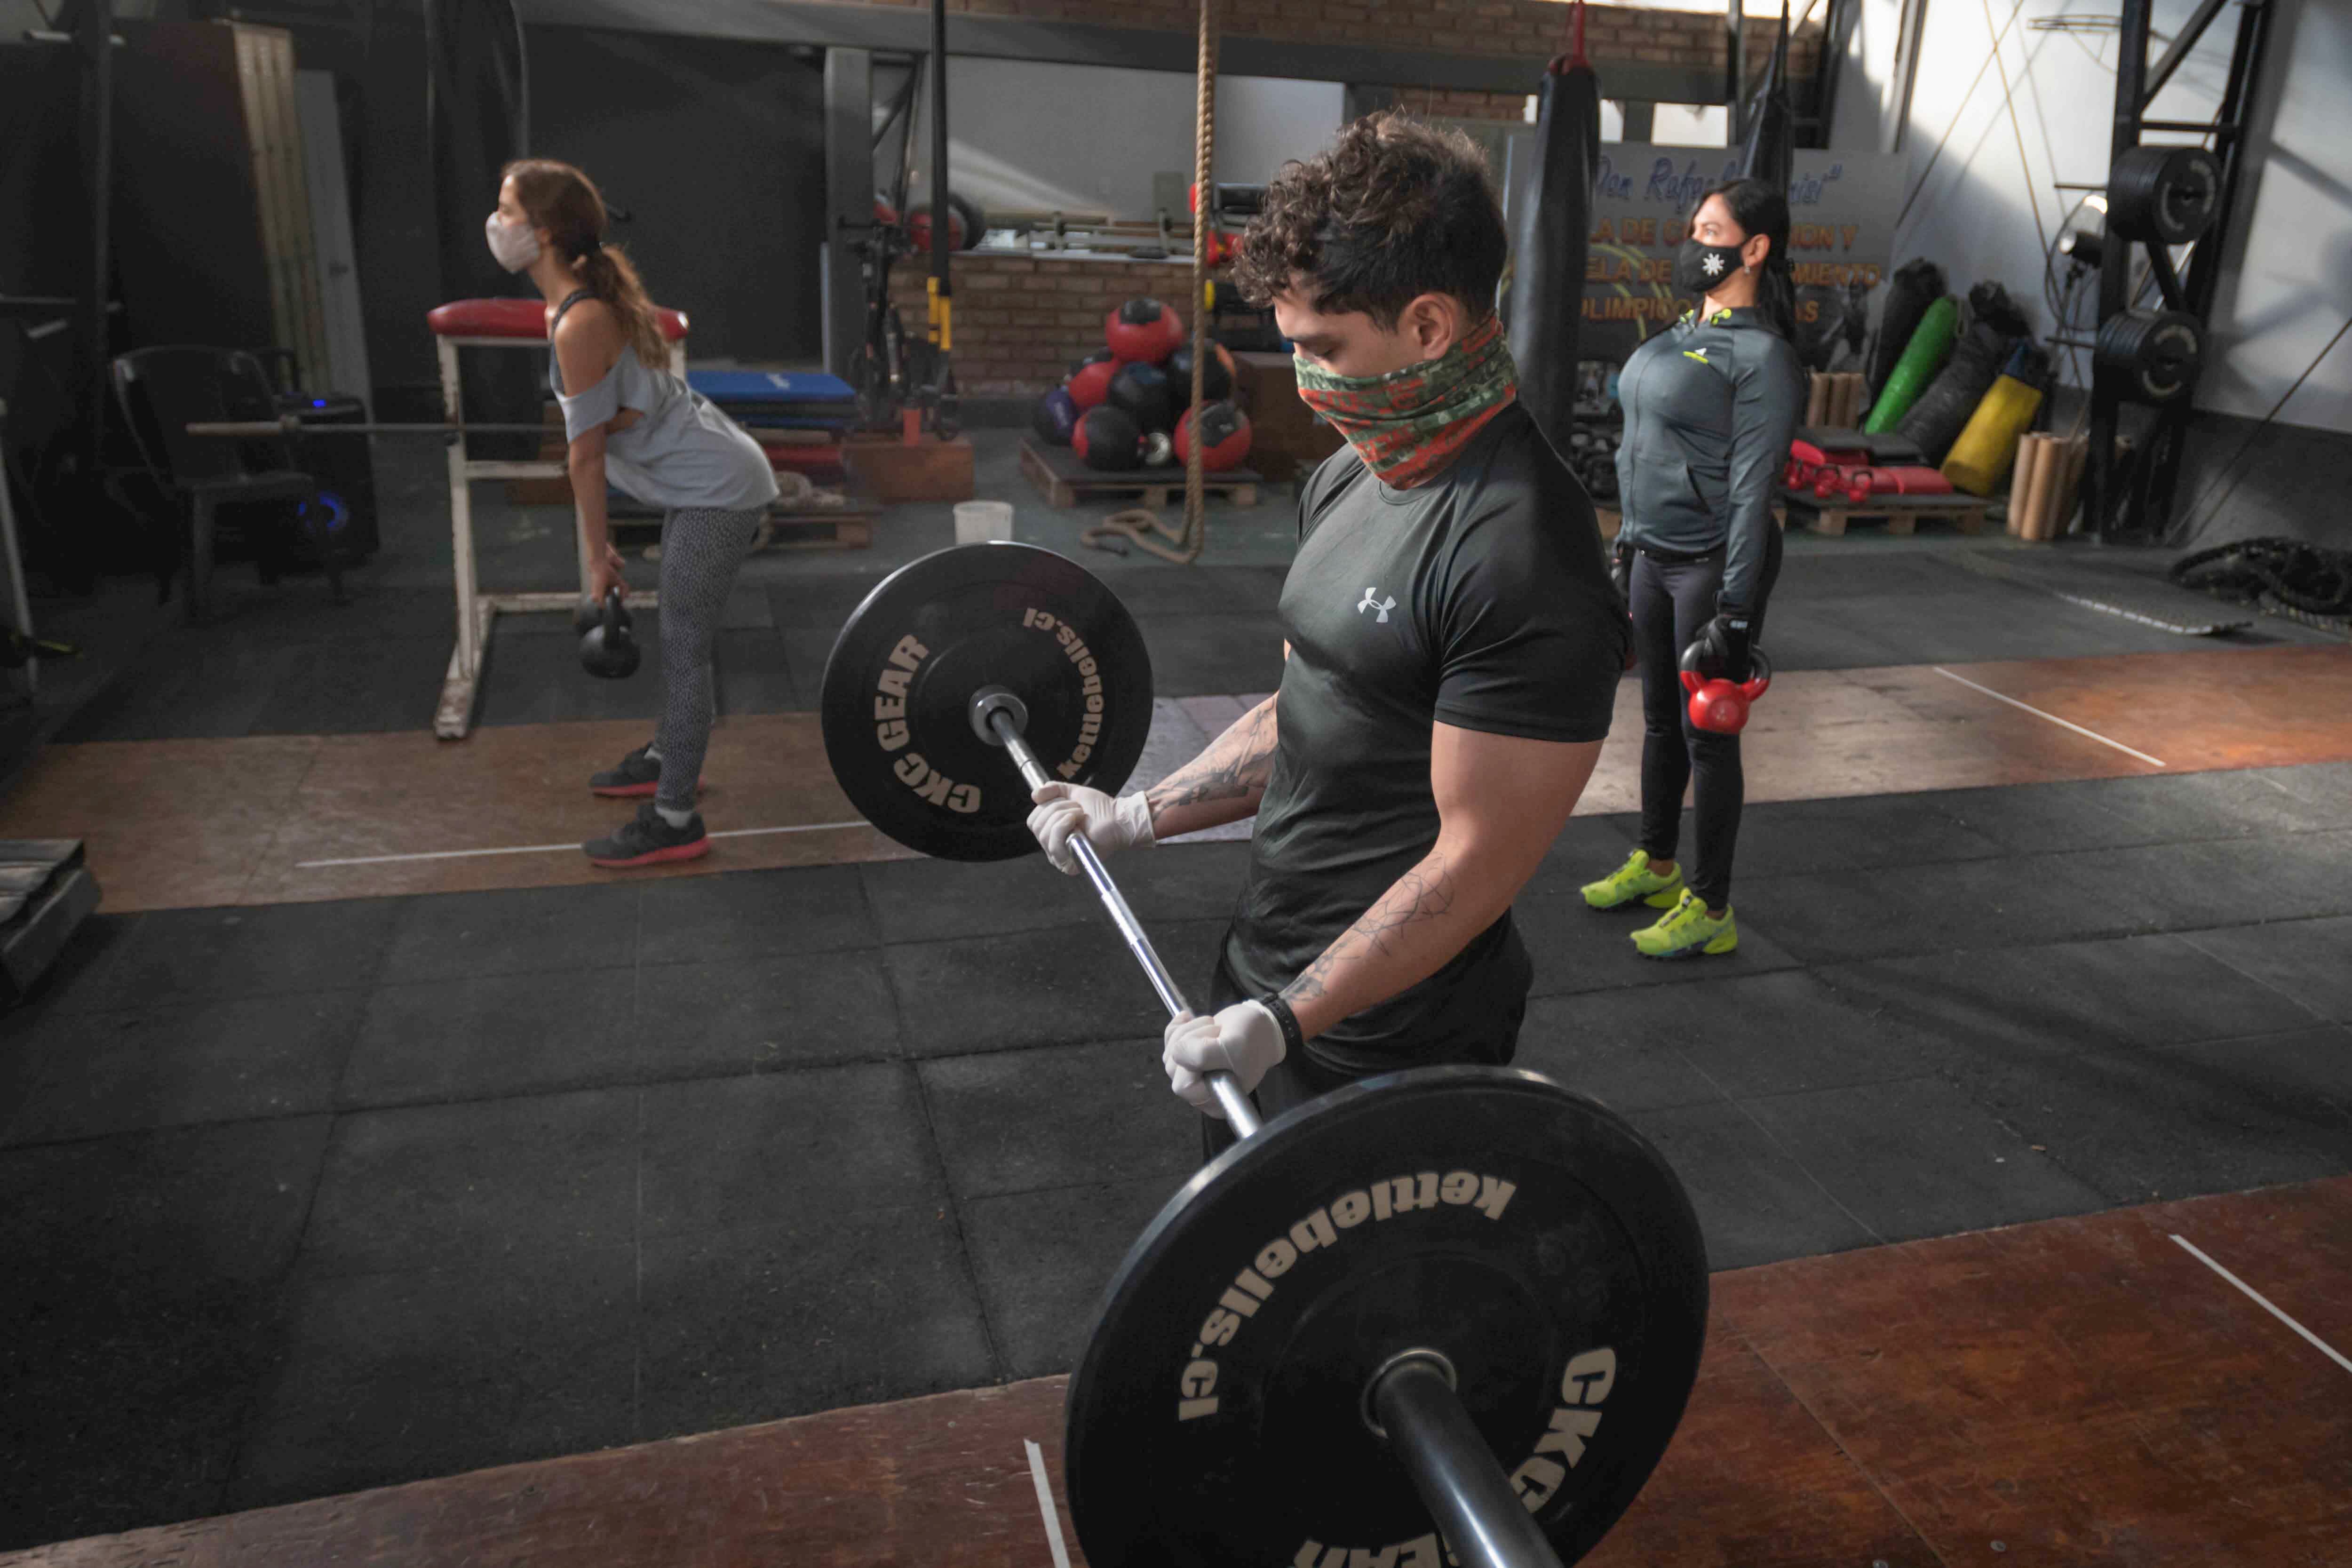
632 424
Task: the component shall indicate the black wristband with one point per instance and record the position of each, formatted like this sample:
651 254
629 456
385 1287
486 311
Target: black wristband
1292 1041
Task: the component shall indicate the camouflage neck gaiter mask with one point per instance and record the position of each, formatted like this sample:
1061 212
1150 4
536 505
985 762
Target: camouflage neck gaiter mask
1409 424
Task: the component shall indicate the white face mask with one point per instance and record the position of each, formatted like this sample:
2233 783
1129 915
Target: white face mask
516 245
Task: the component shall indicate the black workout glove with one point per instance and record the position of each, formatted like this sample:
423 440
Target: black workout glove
1723 646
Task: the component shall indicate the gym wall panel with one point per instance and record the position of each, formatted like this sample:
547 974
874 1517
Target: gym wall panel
717 148
44 245
188 238
1990 133
1025 135
718 151
1676 32
2291 282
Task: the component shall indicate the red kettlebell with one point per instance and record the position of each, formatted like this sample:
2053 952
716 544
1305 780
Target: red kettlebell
1716 704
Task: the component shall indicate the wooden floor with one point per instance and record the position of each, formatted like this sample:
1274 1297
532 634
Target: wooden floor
2080 1391
175 824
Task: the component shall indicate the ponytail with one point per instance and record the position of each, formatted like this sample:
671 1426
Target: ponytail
1776 294
611 278
1759 209
566 203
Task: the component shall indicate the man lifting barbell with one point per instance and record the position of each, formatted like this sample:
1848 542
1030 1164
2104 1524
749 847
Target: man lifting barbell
1453 653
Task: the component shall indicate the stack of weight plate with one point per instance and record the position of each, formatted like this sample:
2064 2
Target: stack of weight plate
45 893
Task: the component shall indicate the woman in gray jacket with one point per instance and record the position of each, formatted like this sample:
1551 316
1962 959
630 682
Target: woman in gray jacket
1710 404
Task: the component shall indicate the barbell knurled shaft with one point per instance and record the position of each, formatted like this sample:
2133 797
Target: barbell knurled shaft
1234 1100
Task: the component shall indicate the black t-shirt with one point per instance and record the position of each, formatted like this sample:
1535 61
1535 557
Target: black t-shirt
1481 600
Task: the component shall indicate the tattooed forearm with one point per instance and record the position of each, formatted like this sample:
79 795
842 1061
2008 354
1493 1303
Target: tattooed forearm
1234 768
1367 955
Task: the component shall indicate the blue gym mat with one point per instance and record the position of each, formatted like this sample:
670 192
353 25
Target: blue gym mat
727 386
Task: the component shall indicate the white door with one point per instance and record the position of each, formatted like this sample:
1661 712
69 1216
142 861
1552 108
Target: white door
331 220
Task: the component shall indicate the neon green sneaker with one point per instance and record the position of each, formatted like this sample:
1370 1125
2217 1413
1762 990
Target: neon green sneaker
1686 931
1635 879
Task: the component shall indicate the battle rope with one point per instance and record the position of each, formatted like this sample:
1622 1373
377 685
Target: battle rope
2305 582
1139 525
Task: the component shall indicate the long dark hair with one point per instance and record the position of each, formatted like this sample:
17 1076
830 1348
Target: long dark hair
566 203
1757 209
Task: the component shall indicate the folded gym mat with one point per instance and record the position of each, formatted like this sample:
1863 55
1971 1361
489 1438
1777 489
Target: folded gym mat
1888 448
729 388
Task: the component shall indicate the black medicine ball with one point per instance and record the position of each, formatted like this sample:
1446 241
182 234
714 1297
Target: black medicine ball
1142 392
1216 376
1107 437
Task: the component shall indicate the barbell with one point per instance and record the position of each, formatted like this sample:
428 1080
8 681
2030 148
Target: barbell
293 425
1451 1311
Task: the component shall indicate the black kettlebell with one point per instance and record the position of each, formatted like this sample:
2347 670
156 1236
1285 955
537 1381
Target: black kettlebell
608 649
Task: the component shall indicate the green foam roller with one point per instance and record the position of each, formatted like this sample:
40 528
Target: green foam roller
1923 357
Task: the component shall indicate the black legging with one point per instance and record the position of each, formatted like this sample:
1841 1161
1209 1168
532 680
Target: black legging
1672 599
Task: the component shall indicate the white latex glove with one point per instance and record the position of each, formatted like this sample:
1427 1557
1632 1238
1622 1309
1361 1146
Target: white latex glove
1064 809
1243 1040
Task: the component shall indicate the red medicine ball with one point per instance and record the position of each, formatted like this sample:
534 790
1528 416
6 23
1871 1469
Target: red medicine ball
1226 430
1090 383
1108 438
1143 329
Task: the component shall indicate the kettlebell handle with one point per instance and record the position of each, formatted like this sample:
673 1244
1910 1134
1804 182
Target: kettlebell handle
1759 673
607 649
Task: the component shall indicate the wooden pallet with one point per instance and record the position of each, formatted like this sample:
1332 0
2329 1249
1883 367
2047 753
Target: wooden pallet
1901 514
848 530
849 526
1065 481
1611 519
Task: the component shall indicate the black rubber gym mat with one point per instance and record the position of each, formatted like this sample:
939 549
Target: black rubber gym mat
1057 1115
1755 1202
1043 1258
1919 1158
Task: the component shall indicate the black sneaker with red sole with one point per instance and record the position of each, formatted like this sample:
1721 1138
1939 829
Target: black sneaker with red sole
636 775
646 840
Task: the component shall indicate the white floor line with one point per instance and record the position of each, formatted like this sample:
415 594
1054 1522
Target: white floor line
552 848
2330 1352
1046 1503
2038 713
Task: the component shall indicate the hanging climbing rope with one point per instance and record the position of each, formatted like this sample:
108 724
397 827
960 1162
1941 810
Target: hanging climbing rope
1138 525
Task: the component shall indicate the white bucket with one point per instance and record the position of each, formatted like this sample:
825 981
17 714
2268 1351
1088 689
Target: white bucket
978 521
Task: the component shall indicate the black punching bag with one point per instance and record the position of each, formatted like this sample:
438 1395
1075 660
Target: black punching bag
476 121
1548 240
1770 149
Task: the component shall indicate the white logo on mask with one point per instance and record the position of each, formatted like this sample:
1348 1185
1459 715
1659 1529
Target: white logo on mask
1712 265
1372 601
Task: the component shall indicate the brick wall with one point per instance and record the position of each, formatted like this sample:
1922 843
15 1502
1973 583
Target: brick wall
1526 27
1020 320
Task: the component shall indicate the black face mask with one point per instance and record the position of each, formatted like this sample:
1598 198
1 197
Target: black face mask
1701 268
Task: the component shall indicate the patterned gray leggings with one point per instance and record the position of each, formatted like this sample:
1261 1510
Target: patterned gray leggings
700 549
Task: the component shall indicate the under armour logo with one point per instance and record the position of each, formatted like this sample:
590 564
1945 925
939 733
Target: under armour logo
1371 601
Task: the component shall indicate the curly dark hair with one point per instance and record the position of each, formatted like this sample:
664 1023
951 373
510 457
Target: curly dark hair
1394 209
